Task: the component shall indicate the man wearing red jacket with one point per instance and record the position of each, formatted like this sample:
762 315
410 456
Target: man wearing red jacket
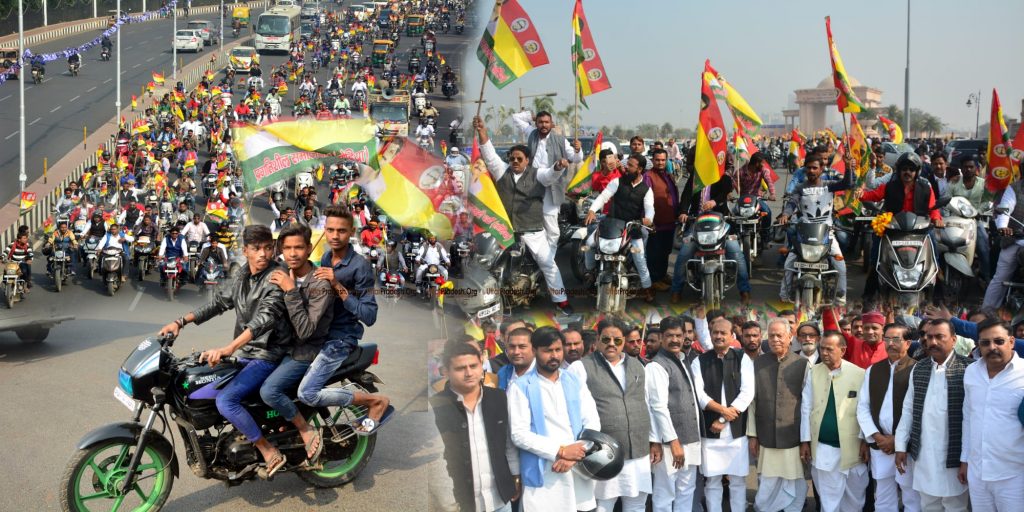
608 171
861 352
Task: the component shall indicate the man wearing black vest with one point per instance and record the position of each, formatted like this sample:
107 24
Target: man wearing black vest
932 419
675 422
548 149
723 379
774 426
879 411
473 422
522 192
618 384
631 200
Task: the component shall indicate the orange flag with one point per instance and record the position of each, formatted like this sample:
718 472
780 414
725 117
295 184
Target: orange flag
1000 168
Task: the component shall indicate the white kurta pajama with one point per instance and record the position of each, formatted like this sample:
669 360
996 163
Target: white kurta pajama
561 491
883 465
938 485
634 481
726 455
838 489
673 488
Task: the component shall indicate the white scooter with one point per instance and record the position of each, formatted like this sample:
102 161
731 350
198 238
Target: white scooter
957 243
304 179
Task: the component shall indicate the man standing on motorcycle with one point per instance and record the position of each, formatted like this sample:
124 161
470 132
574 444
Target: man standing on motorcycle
524 189
262 335
431 253
812 202
1012 242
631 200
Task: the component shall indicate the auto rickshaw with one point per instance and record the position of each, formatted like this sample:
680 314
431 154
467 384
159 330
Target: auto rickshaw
8 58
240 14
381 50
414 25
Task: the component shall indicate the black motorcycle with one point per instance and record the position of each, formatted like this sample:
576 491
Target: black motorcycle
132 465
491 269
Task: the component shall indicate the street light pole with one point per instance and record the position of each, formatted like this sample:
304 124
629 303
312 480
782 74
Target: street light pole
220 42
21 96
174 45
976 98
906 79
117 99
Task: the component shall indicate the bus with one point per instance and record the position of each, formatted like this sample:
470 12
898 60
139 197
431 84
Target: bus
275 30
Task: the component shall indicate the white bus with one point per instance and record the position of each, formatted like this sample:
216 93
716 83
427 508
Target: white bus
275 30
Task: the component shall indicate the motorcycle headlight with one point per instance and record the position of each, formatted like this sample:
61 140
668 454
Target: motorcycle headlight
746 211
909 277
609 245
812 253
707 237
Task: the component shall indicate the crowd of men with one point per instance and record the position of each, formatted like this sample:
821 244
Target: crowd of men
870 409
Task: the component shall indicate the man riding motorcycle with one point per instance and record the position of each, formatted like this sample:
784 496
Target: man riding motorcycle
432 253
455 158
1013 236
64 239
117 237
394 261
214 250
74 61
425 133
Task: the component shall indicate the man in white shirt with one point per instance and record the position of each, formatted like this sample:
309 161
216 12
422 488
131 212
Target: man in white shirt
519 352
618 384
432 253
196 231
548 409
192 125
723 379
425 132
537 131
116 237
879 411
455 158
830 437
992 456
932 421
675 422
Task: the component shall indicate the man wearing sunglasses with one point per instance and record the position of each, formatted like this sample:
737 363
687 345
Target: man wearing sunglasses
878 413
522 191
992 461
618 384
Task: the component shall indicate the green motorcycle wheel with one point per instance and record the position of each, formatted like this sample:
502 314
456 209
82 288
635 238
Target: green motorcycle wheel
93 478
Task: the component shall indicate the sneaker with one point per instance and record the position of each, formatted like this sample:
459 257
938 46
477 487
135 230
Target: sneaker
565 308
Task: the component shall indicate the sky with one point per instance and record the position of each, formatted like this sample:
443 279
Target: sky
654 51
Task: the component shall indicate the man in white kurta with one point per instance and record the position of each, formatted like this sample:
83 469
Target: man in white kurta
727 454
938 485
883 448
633 483
675 474
560 491
993 438
830 436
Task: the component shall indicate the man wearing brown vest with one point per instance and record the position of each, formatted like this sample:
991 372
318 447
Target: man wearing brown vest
879 411
830 436
618 384
774 423
931 424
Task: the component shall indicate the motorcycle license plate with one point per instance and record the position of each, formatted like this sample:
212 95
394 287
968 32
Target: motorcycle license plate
486 312
812 266
125 400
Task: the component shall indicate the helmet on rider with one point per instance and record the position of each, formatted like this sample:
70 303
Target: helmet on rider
910 160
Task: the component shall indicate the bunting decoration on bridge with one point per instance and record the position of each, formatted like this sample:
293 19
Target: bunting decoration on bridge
846 100
510 47
591 77
485 207
712 143
1000 168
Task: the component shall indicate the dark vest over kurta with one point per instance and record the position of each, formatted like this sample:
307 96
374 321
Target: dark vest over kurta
717 371
628 201
624 414
777 395
878 385
523 199
682 407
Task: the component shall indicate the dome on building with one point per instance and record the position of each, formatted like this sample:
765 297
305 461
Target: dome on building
827 83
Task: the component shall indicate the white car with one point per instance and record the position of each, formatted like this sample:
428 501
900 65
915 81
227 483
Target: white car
205 29
242 58
188 39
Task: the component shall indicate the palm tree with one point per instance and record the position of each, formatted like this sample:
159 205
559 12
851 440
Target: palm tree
568 118
932 124
543 103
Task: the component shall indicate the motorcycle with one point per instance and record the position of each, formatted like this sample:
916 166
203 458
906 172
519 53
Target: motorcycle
906 265
449 89
37 75
503 279
89 253
73 68
459 27
1014 300
144 249
392 285
254 81
112 269
617 277
209 185
13 283
172 268
424 142
748 221
815 280
957 243
213 274
460 248
182 392
373 257
429 286
709 272
60 264
193 260
573 231
105 54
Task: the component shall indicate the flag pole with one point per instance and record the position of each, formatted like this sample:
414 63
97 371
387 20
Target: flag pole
483 81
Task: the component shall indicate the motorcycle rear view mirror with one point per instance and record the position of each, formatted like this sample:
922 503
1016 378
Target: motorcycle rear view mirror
942 202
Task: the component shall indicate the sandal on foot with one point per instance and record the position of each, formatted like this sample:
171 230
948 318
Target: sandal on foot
316 441
366 426
273 466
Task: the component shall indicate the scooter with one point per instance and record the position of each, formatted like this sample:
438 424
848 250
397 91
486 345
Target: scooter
112 268
906 262
89 253
957 243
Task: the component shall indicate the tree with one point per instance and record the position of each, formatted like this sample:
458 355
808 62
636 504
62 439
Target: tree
666 130
543 103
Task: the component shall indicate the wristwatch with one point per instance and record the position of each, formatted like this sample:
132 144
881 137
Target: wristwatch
722 420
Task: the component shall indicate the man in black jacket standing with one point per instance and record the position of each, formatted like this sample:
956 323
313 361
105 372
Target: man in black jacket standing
473 422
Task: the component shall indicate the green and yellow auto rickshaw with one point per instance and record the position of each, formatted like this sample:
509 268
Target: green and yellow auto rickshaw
381 51
414 25
240 14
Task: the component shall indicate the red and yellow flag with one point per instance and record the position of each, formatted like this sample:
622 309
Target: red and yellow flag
150 86
1017 151
846 100
797 150
140 126
581 181
216 209
158 78
485 205
741 111
28 199
591 77
893 129
510 46
712 143
1000 168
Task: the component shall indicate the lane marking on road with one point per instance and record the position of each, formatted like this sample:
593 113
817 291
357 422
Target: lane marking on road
56 108
135 66
135 302
36 121
11 135
5 97
150 59
93 88
129 47
143 42
107 81
72 100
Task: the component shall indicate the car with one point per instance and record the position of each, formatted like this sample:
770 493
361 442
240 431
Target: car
359 12
242 58
289 6
893 151
956 150
187 39
308 13
205 29
306 30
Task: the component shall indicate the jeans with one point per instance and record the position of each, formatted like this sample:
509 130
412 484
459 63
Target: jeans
229 401
312 391
26 273
996 291
982 251
732 252
285 377
639 258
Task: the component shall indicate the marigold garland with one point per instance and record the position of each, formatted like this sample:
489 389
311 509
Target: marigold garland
880 222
